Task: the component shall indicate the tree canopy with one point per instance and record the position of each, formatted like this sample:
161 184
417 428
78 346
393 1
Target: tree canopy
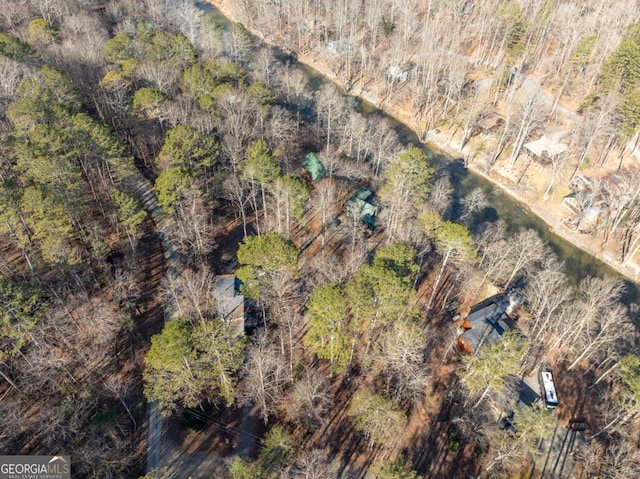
630 380
327 334
167 376
259 255
21 308
377 417
260 165
400 468
382 292
408 177
621 69
12 47
169 187
268 252
492 364
188 364
452 240
186 147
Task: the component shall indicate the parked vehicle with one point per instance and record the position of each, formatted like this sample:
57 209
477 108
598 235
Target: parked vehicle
548 390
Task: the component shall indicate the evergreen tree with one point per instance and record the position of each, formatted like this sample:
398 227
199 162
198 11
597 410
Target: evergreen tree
278 450
492 364
186 147
260 255
327 326
532 424
377 417
167 375
621 69
41 32
382 292
201 83
118 49
149 103
130 213
452 241
262 93
398 469
51 228
188 364
630 113
260 169
406 185
219 353
12 47
21 308
169 187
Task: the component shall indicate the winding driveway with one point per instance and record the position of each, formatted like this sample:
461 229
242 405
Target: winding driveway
144 192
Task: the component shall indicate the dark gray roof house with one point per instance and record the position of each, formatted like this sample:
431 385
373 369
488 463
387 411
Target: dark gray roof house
485 325
230 304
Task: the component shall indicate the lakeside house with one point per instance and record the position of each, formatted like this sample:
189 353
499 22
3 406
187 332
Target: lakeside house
398 74
487 322
337 48
588 202
548 147
361 206
489 122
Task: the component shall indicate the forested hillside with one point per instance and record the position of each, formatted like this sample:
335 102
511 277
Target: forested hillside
211 266
531 94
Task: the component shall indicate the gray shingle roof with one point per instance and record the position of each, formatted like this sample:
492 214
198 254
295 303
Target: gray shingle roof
230 304
487 325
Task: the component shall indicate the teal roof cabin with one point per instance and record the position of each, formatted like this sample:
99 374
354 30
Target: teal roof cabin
361 206
314 167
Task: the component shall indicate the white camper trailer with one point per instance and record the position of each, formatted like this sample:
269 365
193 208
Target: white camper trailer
549 390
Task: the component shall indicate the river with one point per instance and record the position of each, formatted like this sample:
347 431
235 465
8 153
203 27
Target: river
578 263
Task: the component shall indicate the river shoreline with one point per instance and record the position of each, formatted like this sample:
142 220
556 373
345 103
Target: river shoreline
630 271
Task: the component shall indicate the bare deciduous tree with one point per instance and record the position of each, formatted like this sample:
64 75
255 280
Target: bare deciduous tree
383 144
503 260
119 387
474 202
617 460
11 74
313 464
399 356
265 376
325 203
236 192
237 43
598 320
547 291
192 233
531 112
238 114
190 294
189 21
310 396
440 194
332 107
264 62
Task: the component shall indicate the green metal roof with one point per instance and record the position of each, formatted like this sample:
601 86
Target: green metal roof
314 166
362 208
362 194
